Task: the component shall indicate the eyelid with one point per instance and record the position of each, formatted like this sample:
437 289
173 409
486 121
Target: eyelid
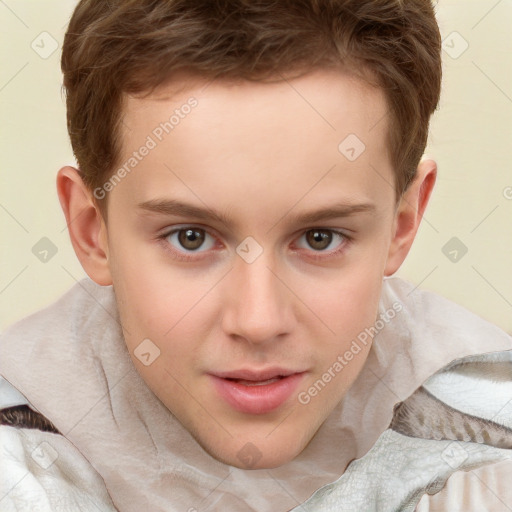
169 230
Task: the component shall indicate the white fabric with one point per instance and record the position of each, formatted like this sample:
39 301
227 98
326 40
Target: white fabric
10 396
489 399
71 363
397 469
44 472
400 469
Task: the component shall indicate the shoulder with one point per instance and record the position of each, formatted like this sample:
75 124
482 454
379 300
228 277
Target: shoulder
41 469
33 349
467 402
428 319
429 306
72 311
448 444
484 488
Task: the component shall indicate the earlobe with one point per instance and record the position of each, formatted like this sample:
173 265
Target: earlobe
86 226
409 214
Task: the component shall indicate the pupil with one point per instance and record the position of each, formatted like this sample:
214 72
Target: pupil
319 239
191 238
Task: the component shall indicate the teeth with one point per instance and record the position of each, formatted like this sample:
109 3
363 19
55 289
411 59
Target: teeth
258 382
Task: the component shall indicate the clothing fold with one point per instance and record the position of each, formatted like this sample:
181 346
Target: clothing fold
69 361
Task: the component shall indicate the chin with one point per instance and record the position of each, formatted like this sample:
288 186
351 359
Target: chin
251 458
257 454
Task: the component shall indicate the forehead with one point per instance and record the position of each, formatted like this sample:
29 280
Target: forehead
239 139
331 98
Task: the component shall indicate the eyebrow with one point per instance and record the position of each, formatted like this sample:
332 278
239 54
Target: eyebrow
180 209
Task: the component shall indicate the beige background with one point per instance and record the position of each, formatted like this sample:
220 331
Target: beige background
471 139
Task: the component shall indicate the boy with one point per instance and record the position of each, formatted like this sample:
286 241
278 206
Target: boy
249 178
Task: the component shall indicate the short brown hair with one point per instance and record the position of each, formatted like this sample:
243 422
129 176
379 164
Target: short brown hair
119 47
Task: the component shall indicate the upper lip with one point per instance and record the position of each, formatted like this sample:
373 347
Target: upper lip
256 375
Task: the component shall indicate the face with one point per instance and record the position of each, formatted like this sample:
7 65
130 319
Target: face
247 246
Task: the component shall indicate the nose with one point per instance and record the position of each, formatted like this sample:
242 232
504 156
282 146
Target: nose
259 306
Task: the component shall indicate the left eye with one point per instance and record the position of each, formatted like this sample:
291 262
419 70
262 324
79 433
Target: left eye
321 239
190 239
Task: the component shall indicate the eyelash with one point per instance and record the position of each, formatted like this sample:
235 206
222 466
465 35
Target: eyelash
314 255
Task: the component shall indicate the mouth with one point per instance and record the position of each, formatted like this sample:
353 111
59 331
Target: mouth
256 392
256 382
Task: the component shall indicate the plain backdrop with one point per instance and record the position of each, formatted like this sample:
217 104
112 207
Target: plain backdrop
463 250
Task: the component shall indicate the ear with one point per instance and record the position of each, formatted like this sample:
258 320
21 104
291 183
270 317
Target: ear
409 214
87 229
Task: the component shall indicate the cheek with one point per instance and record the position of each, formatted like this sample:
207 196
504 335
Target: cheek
350 307
348 301
349 310
159 301
142 292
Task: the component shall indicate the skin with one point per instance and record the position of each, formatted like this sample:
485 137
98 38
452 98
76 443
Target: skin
261 155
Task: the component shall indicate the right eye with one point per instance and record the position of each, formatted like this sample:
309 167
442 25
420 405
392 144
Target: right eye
190 239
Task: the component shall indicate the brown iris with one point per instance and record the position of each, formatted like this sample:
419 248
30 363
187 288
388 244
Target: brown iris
319 239
191 238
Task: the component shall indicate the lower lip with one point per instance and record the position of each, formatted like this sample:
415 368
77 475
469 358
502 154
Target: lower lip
257 399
